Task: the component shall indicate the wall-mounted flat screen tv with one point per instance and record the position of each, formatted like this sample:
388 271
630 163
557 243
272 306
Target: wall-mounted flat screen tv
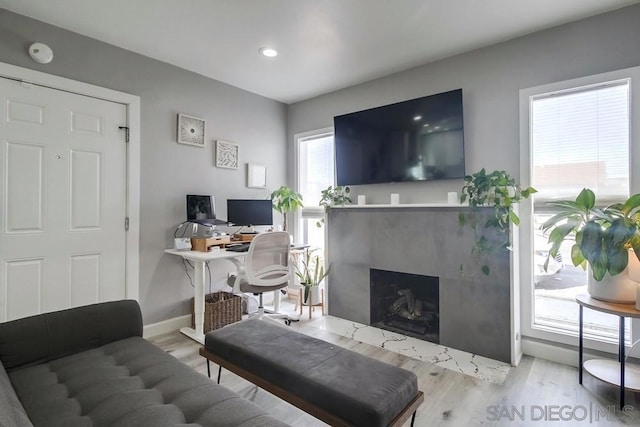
417 140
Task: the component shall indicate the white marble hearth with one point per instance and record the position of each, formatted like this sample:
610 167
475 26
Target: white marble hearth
459 361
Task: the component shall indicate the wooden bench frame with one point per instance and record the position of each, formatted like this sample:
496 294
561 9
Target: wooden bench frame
295 400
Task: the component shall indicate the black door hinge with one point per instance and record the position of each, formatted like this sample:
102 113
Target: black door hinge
126 132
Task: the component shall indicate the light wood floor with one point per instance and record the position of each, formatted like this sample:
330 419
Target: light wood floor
453 399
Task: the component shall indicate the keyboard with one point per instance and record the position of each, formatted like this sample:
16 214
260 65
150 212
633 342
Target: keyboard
240 247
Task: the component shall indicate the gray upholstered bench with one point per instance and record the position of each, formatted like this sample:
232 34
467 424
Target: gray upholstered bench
336 385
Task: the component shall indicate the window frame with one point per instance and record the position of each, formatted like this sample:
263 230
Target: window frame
312 212
528 328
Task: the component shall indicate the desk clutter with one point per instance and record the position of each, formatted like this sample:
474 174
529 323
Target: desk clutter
204 244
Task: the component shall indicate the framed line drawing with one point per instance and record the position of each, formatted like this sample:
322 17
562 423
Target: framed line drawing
191 130
256 175
226 155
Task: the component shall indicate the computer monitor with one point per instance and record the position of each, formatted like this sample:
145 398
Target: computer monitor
250 211
201 210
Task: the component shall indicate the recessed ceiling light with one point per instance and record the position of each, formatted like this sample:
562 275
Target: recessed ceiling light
426 125
269 52
416 118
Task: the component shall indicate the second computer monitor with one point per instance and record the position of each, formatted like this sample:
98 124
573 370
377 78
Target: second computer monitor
250 211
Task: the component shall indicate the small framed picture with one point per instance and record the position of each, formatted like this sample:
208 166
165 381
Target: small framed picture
191 130
226 155
256 175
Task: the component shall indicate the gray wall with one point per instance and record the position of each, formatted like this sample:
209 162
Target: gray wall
491 79
169 170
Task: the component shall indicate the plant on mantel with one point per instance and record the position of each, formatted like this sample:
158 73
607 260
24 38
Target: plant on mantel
496 189
333 196
286 200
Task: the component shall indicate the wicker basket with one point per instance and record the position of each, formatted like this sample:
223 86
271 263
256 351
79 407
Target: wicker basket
220 309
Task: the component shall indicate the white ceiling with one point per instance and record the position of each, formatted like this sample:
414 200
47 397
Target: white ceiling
324 45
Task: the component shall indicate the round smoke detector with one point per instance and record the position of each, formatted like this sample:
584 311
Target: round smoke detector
41 53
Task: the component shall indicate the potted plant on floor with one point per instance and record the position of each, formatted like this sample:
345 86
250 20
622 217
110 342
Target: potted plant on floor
311 273
607 240
286 200
500 191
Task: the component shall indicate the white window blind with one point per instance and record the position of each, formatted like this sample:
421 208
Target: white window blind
316 171
580 138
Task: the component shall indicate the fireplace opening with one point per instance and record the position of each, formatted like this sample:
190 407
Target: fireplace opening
406 303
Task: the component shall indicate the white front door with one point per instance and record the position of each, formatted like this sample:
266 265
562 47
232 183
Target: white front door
62 200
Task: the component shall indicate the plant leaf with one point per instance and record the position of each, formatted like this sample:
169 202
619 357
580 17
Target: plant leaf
598 270
586 199
576 255
591 243
631 204
617 259
486 270
514 218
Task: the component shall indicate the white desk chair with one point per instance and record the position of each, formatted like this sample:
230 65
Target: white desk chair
266 268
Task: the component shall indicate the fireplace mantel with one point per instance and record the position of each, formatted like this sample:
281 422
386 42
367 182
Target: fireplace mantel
478 313
402 205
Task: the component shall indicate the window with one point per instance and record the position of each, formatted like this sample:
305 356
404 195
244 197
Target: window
580 138
575 134
316 165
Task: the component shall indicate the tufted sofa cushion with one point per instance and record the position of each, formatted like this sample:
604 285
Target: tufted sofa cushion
11 411
129 382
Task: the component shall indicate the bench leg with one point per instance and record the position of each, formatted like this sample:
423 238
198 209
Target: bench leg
413 418
219 372
208 369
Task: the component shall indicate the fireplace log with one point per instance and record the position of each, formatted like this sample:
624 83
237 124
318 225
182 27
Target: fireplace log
411 299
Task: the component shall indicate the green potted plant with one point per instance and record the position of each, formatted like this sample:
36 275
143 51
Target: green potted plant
311 273
286 200
333 196
607 240
500 191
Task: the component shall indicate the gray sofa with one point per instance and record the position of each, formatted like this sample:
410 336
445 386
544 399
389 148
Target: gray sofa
90 366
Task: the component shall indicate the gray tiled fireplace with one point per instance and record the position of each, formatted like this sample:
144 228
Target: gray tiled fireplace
474 309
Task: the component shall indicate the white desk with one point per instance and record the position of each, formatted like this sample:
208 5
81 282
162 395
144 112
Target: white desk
200 260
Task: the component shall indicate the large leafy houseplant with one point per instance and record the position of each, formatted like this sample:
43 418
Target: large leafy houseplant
311 273
496 189
602 236
333 196
286 200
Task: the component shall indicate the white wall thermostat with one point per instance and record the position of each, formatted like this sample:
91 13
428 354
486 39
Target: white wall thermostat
41 53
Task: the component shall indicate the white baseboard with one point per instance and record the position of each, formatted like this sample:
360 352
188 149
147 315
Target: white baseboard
567 355
166 326
554 353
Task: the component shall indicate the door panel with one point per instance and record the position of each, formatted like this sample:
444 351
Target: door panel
63 196
26 113
86 190
87 123
85 279
24 285
23 201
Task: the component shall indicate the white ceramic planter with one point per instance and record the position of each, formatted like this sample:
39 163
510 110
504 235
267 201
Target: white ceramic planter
314 296
619 288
